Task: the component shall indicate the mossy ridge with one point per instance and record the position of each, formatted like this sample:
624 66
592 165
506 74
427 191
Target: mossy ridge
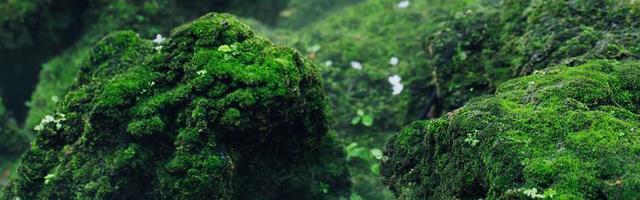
564 132
481 47
146 18
215 113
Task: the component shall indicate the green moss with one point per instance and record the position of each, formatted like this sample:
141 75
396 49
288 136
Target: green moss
188 121
367 33
477 49
564 132
147 18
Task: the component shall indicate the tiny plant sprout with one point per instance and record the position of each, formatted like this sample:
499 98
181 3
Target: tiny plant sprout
377 153
356 65
404 4
225 48
362 117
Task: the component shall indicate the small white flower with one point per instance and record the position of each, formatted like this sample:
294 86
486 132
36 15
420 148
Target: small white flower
397 89
159 39
356 65
158 48
395 79
404 4
396 86
201 72
394 61
55 99
328 63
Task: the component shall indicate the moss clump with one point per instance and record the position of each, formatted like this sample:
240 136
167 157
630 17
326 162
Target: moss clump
479 48
94 20
564 132
213 112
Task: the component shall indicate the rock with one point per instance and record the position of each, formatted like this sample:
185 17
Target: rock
563 132
216 113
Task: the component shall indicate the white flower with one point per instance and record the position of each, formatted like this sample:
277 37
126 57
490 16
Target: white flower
159 39
395 84
356 65
328 63
158 48
395 79
394 61
404 4
55 99
50 119
397 89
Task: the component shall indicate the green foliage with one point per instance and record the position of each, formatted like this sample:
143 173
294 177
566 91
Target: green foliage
563 132
477 49
211 112
354 47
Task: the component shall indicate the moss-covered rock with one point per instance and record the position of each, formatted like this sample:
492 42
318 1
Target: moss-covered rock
81 25
212 112
564 132
479 48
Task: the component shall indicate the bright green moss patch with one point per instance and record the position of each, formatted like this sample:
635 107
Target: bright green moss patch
564 132
477 49
212 112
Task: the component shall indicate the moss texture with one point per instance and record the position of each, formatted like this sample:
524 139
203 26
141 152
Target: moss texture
561 133
213 112
477 49
93 20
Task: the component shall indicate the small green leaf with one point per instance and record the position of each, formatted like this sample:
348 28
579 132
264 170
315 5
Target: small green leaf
377 153
360 112
355 120
367 120
375 169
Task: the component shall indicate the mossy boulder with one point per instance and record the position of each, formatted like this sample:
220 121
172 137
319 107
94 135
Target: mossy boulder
212 112
92 21
561 133
477 49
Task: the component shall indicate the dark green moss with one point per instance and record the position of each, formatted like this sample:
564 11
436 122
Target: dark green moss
564 132
94 20
12 143
477 49
213 112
